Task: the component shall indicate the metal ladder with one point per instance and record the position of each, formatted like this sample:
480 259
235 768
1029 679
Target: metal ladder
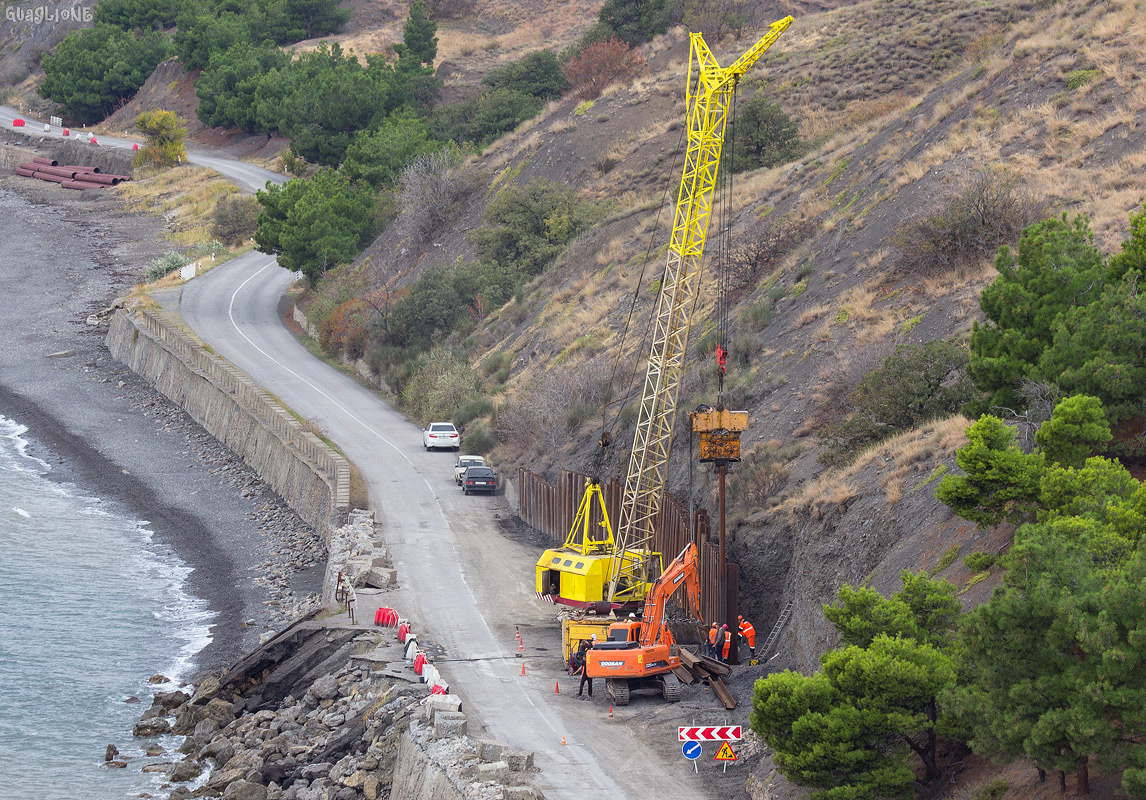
775 634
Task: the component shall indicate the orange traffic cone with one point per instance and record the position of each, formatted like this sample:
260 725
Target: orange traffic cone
611 711
522 667
555 689
562 740
520 647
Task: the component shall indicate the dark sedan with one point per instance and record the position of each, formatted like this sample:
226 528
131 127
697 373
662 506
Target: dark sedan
479 479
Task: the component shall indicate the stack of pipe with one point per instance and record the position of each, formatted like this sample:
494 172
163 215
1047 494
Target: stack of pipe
68 176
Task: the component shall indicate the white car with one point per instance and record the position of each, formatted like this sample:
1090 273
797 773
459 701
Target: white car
464 463
441 434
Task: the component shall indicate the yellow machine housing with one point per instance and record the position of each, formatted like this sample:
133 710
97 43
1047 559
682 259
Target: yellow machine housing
577 573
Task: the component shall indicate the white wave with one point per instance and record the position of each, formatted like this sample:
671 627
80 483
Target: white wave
21 512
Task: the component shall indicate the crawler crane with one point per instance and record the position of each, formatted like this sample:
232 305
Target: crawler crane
593 567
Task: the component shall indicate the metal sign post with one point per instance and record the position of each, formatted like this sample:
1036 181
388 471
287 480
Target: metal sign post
691 751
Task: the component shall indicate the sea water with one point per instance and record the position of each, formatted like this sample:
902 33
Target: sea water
90 608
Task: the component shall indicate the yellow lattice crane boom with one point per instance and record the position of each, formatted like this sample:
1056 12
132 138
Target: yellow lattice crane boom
709 98
592 566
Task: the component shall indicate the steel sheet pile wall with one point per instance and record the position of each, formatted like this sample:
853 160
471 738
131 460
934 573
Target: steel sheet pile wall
552 509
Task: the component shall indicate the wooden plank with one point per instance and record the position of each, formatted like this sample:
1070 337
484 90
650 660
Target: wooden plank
722 693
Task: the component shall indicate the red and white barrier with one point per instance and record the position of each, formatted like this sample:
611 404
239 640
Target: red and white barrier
67 132
17 123
419 663
403 631
386 617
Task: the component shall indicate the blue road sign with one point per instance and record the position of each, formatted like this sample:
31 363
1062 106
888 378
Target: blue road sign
691 750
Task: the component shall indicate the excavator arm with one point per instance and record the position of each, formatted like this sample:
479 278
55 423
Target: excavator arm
682 570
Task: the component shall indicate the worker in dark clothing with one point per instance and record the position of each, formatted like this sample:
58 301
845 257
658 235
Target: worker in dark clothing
583 652
725 640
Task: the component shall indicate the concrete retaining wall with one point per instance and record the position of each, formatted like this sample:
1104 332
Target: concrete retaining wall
312 478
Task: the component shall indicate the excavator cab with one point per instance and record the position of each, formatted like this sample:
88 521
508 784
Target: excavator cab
627 631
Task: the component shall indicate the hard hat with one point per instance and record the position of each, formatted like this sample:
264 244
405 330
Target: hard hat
632 615
740 618
593 637
714 624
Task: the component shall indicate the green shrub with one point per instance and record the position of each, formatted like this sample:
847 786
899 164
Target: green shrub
979 561
1076 431
478 441
916 383
946 560
968 227
1078 78
525 228
485 118
537 74
165 265
165 137
764 136
235 219
471 410
760 314
993 790
495 363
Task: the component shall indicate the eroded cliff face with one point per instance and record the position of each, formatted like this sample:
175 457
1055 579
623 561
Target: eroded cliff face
860 526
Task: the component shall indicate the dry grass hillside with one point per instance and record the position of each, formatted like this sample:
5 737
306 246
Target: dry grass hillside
909 103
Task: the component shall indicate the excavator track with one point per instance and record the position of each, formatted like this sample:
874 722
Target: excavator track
671 688
618 691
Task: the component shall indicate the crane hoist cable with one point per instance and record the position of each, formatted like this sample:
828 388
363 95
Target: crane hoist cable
608 432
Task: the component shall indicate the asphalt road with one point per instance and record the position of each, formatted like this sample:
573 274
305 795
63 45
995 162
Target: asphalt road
462 581
248 176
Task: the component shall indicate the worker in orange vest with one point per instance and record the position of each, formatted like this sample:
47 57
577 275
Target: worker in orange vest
710 649
748 634
727 634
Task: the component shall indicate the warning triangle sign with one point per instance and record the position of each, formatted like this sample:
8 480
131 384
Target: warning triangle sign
725 753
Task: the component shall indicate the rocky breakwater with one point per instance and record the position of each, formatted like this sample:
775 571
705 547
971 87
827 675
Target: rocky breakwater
329 709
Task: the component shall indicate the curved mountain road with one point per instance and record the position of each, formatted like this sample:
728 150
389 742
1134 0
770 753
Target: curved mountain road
462 581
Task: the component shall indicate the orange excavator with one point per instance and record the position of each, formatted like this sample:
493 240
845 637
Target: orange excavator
640 654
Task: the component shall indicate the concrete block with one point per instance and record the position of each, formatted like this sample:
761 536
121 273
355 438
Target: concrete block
449 723
495 772
381 557
520 760
492 750
444 702
381 578
521 793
